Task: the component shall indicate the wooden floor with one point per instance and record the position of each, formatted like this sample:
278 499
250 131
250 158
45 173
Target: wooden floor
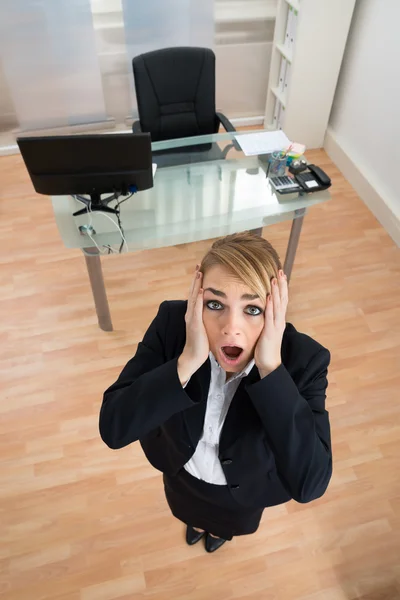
82 522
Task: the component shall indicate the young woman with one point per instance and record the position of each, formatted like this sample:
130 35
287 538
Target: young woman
226 398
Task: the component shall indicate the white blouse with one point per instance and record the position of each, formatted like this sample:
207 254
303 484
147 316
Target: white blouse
205 463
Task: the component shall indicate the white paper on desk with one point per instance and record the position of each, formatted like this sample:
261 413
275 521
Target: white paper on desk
265 142
154 165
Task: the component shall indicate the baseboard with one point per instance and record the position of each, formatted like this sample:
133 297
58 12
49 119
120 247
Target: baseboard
248 121
363 185
7 150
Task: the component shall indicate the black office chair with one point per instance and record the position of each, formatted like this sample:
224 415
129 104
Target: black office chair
175 91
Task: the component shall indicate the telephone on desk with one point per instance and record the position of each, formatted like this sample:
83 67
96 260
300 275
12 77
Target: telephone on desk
307 179
313 179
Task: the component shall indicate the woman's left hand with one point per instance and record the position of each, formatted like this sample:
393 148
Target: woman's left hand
267 353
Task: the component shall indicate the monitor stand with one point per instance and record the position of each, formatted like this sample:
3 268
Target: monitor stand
96 203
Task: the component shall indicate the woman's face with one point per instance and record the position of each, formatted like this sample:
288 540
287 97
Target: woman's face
231 319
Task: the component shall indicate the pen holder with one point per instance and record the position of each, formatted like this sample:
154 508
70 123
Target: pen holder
277 165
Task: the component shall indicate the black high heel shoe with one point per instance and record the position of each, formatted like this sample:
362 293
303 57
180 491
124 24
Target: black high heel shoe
193 536
213 543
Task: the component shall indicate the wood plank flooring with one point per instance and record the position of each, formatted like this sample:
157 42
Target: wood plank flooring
81 522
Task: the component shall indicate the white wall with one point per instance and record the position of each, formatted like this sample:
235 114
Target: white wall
244 32
365 119
242 79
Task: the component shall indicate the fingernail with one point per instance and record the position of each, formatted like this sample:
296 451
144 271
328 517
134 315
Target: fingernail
280 273
274 281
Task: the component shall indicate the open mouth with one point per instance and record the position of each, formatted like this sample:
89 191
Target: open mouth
231 354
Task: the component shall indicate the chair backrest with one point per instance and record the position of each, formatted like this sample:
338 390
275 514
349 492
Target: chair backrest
175 91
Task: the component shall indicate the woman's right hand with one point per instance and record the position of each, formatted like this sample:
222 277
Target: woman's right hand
197 347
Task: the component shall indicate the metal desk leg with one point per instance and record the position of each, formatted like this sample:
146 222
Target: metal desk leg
93 265
295 231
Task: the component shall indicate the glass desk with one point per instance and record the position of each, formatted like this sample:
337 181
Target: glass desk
204 187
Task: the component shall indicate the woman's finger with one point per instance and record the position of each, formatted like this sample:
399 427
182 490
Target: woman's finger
193 292
196 286
193 282
276 298
283 289
198 306
269 314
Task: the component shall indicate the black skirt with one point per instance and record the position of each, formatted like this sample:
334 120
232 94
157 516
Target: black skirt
208 506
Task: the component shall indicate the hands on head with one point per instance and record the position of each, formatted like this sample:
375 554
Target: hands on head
197 346
267 352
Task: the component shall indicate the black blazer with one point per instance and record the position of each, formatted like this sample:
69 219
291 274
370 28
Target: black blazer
275 442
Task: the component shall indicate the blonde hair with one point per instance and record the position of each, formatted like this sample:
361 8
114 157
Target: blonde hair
247 256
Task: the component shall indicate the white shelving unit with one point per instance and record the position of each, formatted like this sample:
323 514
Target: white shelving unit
315 57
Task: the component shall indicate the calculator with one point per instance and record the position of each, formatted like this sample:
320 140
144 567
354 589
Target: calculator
285 185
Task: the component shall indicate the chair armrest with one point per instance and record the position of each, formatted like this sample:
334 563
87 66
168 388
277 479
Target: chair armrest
225 122
228 148
229 128
136 127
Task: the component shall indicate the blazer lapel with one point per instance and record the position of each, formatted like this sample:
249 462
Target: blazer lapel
198 388
240 412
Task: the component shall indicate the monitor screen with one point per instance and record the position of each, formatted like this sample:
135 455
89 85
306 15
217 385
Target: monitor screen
88 164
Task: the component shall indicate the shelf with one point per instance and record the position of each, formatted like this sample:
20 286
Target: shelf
285 52
317 34
280 95
294 3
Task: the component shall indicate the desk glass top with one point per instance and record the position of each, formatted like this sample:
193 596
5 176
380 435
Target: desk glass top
204 187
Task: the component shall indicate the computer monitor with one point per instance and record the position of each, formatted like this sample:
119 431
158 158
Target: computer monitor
89 164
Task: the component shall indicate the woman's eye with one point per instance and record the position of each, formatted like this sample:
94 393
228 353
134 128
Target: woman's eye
255 308
213 307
